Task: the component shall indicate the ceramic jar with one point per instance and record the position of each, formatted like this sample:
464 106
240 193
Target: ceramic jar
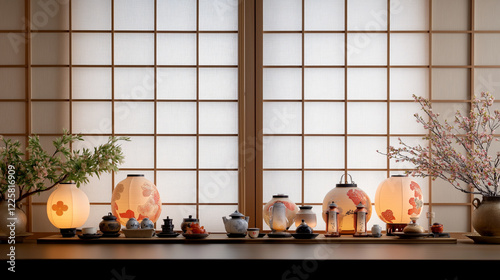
303 228
147 223
305 213
109 225
132 223
486 217
186 222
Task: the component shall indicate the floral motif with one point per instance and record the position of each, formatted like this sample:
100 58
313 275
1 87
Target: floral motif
60 208
388 216
416 202
357 196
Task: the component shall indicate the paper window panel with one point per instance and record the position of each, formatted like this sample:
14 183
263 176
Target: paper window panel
487 79
324 83
324 15
13 83
450 15
218 187
450 83
324 117
12 15
448 110
50 48
176 14
485 51
40 220
409 15
287 182
367 118
13 48
282 15
91 83
402 119
91 48
91 117
318 183
450 49
368 181
282 83
138 152
404 82
176 49
443 192
176 83
367 83
99 189
457 217
324 49
49 117
362 152
366 49
134 117
218 83
486 15
218 118
49 15
134 48
210 216
13 117
134 15
282 49
323 152
91 14
50 83
176 152
363 15
282 117
170 182
176 117
95 214
282 152
218 49
134 83
218 152
216 15
409 49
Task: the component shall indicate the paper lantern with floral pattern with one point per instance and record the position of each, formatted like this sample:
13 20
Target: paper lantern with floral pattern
135 197
68 207
397 199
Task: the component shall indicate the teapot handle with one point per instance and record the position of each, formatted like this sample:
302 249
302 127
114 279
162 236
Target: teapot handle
476 202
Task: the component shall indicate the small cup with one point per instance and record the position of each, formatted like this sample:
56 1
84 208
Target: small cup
253 232
89 230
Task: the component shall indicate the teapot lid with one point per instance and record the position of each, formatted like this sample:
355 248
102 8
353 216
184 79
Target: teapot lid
236 214
109 217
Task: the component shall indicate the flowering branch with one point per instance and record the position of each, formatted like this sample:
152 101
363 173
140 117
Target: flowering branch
477 166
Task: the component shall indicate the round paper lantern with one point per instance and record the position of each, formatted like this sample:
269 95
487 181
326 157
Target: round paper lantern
397 199
135 197
68 207
290 211
347 196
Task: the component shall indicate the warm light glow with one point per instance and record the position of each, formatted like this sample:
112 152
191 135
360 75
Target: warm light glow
68 206
397 199
136 197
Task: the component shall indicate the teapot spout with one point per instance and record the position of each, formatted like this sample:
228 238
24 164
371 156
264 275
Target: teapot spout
225 220
247 218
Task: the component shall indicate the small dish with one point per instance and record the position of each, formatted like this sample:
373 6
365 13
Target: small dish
167 235
139 233
89 236
305 235
235 235
195 235
478 239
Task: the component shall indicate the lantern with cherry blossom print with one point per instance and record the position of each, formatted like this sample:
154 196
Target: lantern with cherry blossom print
347 196
135 197
397 199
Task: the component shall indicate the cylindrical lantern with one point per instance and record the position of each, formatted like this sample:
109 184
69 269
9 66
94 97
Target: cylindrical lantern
347 196
68 207
136 197
397 199
360 221
332 221
291 209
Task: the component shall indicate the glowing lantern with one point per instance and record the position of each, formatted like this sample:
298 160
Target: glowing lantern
68 207
135 197
347 196
397 200
288 217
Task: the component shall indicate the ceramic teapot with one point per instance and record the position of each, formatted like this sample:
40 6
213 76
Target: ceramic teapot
238 224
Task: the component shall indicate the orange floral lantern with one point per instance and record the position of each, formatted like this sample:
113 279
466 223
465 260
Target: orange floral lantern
68 207
347 196
135 197
397 199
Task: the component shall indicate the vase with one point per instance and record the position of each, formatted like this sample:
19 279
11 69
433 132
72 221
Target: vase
18 217
486 217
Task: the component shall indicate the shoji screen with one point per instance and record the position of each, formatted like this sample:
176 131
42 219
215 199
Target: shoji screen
163 72
338 78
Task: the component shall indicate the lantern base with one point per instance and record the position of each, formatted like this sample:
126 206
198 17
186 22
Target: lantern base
68 232
393 228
